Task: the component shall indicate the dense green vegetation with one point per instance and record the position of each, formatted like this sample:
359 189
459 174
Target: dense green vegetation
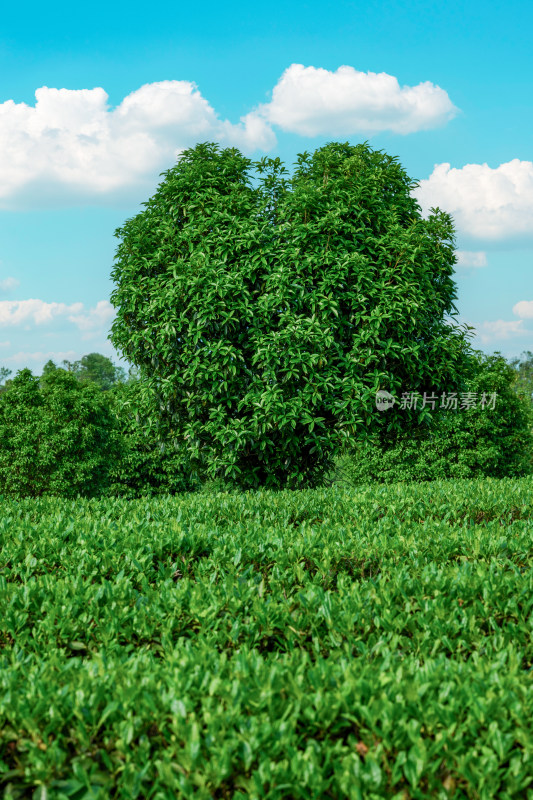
160 638
58 435
315 644
260 321
66 434
263 319
493 439
146 466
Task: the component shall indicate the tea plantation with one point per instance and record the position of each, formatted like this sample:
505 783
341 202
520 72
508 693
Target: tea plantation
330 643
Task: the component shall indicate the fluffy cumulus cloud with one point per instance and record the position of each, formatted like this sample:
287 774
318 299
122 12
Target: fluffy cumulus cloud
22 357
486 203
500 329
495 330
524 309
71 146
8 284
96 320
312 101
18 312
470 258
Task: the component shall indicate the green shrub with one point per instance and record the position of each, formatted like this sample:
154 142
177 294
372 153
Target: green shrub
57 436
370 644
147 467
467 443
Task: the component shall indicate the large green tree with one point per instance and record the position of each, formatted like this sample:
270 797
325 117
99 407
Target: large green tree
264 317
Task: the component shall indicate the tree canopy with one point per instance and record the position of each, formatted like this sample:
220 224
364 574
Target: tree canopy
93 368
487 432
524 374
263 319
4 375
56 437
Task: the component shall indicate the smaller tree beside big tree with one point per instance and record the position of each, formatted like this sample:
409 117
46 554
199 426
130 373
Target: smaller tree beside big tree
57 437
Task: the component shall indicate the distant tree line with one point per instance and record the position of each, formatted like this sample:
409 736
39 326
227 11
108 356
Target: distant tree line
92 368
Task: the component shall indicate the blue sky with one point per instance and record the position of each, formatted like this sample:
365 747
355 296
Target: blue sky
97 101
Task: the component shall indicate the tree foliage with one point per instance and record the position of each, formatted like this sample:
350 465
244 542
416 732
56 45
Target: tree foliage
4 375
524 374
58 437
146 467
264 318
475 442
93 368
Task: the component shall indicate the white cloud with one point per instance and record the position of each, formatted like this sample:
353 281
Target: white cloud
252 133
97 318
312 101
23 357
71 146
14 312
470 258
490 331
8 284
5 344
17 312
484 202
524 309
500 329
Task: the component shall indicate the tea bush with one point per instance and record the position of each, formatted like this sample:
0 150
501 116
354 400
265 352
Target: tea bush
352 645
